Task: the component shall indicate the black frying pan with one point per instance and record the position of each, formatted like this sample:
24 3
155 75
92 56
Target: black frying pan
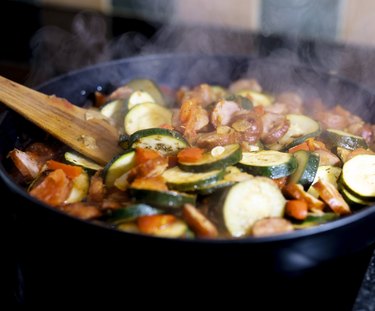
60 256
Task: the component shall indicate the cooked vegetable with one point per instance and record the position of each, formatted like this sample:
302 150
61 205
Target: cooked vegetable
148 86
358 175
177 179
210 161
249 201
301 128
75 158
162 199
80 188
337 138
308 163
269 163
130 213
146 115
165 141
217 158
118 166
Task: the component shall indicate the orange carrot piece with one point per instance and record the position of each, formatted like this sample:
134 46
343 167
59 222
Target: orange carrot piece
54 189
144 154
150 183
192 154
71 171
151 224
297 209
302 146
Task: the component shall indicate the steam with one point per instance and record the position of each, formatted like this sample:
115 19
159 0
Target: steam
57 51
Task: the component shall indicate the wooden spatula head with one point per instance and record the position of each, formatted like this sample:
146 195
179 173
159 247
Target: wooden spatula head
78 128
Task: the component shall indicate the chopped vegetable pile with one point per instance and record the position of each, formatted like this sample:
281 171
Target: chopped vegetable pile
211 161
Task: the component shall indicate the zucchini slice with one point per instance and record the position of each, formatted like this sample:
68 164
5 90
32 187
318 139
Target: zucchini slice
308 163
131 212
163 199
150 87
301 127
146 115
352 199
77 159
177 179
118 166
165 141
115 110
80 188
211 188
257 98
358 176
218 158
315 220
269 163
139 97
328 173
337 138
251 200
241 101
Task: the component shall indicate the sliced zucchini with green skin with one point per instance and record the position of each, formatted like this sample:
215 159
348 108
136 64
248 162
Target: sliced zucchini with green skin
352 199
177 179
77 159
218 158
130 213
146 115
328 173
116 111
301 128
211 188
139 97
308 163
337 138
251 200
269 163
358 176
257 98
315 220
118 166
80 188
242 101
149 86
162 199
232 175
165 141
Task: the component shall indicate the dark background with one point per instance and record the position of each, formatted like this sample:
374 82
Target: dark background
31 60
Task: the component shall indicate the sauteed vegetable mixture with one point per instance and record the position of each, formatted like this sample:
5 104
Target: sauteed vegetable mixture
211 161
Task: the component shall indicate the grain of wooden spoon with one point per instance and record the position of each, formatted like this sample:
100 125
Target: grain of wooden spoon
76 127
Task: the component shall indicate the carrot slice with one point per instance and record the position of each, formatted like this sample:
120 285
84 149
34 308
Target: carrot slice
302 146
153 223
297 209
189 155
54 189
71 171
150 183
144 154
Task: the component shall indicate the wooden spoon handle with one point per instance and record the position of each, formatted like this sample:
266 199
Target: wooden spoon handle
74 126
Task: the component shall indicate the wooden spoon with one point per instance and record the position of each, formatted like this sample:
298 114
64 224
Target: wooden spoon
78 128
